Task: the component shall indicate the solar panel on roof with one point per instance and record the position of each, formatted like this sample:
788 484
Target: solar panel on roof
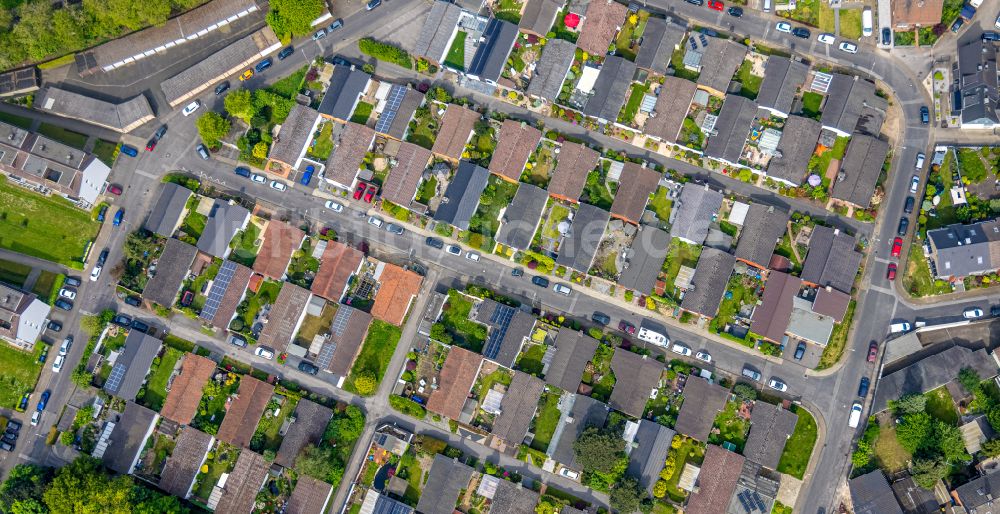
219 287
115 379
392 103
326 354
758 501
743 501
501 320
340 321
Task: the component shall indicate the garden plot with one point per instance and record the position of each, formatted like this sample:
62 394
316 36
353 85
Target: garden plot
489 390
521 62
425 124
569 95
538 169
692 134
215 401
762 141
140 251
254 306
598 379
555 221
246 243
303 266
221 459
423 367
743 292
609 260
626 44
601 187
532 359
485 223
732 424
194 290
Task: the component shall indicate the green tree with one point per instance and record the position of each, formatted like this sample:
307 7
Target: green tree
25 482
321 463
909 404
949 440
745 392
915 431
993 416
927 471
82 487
239 104
111 16
212 127
598 450
293 17
969 379
626 496
365 383
991 448
66 438
346 427
260 150
29 506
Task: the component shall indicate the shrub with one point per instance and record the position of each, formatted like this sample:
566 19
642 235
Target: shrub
407 406
385 52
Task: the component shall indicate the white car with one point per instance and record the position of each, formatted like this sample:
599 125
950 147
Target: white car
191 107
569 473
64 347
914 184
681 350
848 47
68 294
96 273
36 417
972 313
826 38
777 385
454 250
258 178
997 24
562 289
472 256
278 186
264 352
920 161
855 418
703 356
334 206
375 221
57 365
783 26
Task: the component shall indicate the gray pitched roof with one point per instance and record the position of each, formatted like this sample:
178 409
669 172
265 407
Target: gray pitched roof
398 116
719 63
573 351
132 365
635 184
610 89
832 260
184 462
694 209
446 478
977 67
735 121
659 40
860 170
539 15
549 75
224 221
171 269
585 232
129 437
511 498
586 412
764 226
933 370
782 79
845 100
570 175
346 87
871 494
637 376
795 148
770 428
166 214
518 408
978 496
913 498
960 250
645 259
310 422
245 480
649 454
311 496
461 198
702 402
508 329
520 219
295 134
491 56
436 34
672 104
709 281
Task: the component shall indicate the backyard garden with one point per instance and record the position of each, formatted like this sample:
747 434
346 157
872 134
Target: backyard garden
49 228
597 376
371 363
455 327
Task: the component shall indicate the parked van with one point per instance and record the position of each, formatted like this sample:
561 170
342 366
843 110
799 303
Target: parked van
652 337
899 328
767 5
855 418
866 22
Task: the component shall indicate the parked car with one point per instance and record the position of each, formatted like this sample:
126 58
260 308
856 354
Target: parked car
846 46
63 304
716 5
434 242
540 281
67 293
151 144
914 184
855 418
278 186
801 32
600 318
800 351
872 351
372 4
863 387
54 325
35 417
695 2
119 216
897 246
908 205
222 88
375 221
826 38
258 178
102 212
263 65
134 301
264 352
370 194
925 115
566 472
191 107
703 356
472 256
122 320
394 228
96 273
751 373
319 34
129 150
238 340
516 272
972 313
57 364
777 384
334 206
202 151
285 52
736 12
919 164
899 328
454 250
955 27
360 190
246 75
886 36
307 175
626 327
339 22
73 281
681 349
308 367
242 171
101 259
42 357
14 426
115 189
990 35
7 447
904 223
891 271
44 400
140 326
995 311
784 26
562 289
66 345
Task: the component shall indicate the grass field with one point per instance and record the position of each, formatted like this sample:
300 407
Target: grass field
156 388
799 447
732 428
631 108
376 352
47 286
17 121
74 139
106 151
14 273
838 339
289 86
750 83
48 228
850 23
362 112
917 277
456 54
810 104
890 455
18 373
546 421
940 406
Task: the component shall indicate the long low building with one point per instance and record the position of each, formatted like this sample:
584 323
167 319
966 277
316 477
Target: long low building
122 117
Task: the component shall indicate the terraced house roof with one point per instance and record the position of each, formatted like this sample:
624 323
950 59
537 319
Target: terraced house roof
832 260
132 365
521 218
454 383
228 294
185 393
660 39
860 169
171 269
347 84
719 63
717 481
121 117
710 278
456 128
280 241
166 214
311 419
245 411
349 152
609 91
184 462
770 318
538 16
735 121
585 233
461 198
401 186
245 480
671 108
128 438
347 335
637 376
600 25
765 225
570 174
518 408
295 134
397 287
438 30
796 146
634 188
285 316
782 79
310 496
549 75
515 144
491 55
338 263
574 350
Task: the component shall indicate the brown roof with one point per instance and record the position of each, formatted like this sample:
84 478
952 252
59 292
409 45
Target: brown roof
397 288
338 264
284 317
600 25
719 473
240 493
231 297
770 318
925 13
515 143
350 326
831 302
310 496
280 241
636 184
182 401
311 419
401 184
345 160
570 175
244 411
671 108
182 465
637 376
456 127
702 402
456 379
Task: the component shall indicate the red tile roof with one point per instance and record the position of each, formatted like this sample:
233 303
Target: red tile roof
280 241
515 144
397 288
719 473
339 262
454 383
456 128
401 185
926 13
182 401
634 188
244 411
570 175
600 25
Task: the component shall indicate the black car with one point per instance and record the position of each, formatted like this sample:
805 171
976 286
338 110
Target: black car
64 304
991 35
7 447
222 88
72 281
540 281
995 311
308 367
904 223
863 387
134 301
908 206
373 4
886 36
160 132
140 326
14 425
9 437
122 320
242 171
103 257
600 318
285 53
801 32
516 272
339 61
695 2
434 242
800 350
54 326
925 115
735 11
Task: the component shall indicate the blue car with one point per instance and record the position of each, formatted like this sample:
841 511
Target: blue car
118 217
285 53
101 213
44 400
242 171
307 175
263 65
130 151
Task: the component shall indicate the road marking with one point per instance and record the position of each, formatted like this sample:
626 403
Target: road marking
882 290
145 174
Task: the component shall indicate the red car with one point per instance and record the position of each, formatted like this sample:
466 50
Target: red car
151 144
626 327
372 189
187 298
897 246
891 275
115 189
716 5
360 190
872 351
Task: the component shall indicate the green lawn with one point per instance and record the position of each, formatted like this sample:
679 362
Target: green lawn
14 273
244 250
970 165
497 195
679 254
940 406
375 352
456 54
661 204
324 143
455 318
602 366
289 86
17 121
799 447
558 213
811 103
677 63
530 360
266 437
156 388
838 339
223 461
47 285
889 454
732 428
48 228
362 112
106 151
750 83
742 293
850 23
427 190
806 11
546 421
194 224
423 129
690 451
68 137
596 191
18 373
631 108
917 277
